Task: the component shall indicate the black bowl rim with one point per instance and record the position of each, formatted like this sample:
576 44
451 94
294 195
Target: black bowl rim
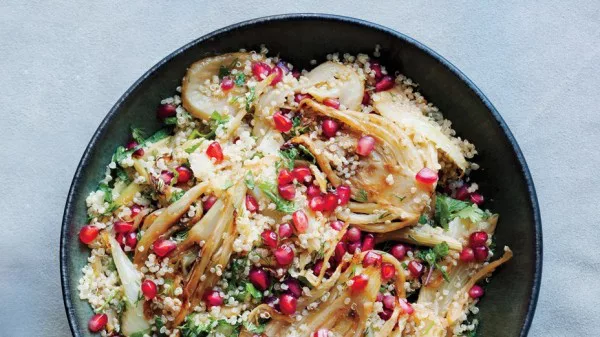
69 207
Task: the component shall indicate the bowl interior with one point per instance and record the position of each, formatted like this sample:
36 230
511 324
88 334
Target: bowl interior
503 177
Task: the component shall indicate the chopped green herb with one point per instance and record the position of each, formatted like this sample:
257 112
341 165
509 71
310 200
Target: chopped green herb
171 120
138 135
193 148
362 196
433 256
159 324
121 153
223 71
255 293
446 209
399 197
305 153
249 180
289 157
297 127
281 204
240 79
423 219
254 329
176 195
250 96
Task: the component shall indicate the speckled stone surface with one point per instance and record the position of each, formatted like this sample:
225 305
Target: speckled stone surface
62 66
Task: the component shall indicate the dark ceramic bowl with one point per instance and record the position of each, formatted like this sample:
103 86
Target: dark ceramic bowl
508 307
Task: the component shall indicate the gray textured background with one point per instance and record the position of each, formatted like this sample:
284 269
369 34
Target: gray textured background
62 66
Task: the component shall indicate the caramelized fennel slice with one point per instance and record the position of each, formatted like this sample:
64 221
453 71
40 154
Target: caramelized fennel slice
336 80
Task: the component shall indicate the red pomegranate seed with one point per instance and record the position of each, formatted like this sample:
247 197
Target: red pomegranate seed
389 302
359 283
317 204
337 225
340 251
481 253
312 191
185 174
476 291
398 251
299 97
163 247
209 202
371 259
149 289
294 287
285 230
88 233
386 314
287 192
330 127
332 102
462 193
120 237
296 74
131 239
135 210
213 298
269 238
477 199
285 177
97 322
386 83
376 68
331 202
353 234
123 226
260 70
321 333
467 255
302 174
259 278
427 176
278 75
343 193
284 255
167 177
166 111
300 221
406 307
214 151
287 304
354 246
368 242
415 268
317 267
137 153
366 98
379 297
282 122
478 239
388 271
365 145
251 204
227 83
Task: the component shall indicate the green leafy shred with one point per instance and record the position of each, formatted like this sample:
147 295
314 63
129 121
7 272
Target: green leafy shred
249 180
423 219
176 195
254 329
193 148
281 204
223 71
215 121
240 79
298 127
255 293
362 196
433 256
138 134
447 209
250 96
120 154
171 120
306 154
159 324
289 157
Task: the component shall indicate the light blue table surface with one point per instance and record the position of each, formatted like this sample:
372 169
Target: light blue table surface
63 64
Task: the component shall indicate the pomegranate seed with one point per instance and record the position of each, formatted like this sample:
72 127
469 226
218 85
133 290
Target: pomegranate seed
278 75
97 322
332 103
427 176
376 68
131 239
379 297
331 202
387 271
313 191
340 251
260 70
285 177
300 221
321 333
227 83
166 111
287 304
259 278
213 298
343 193
270 301
302 174
389 302
368 242
167 177
354 246
299 97
163 247
209 202
406 307
415 268
120 237
149 289
317 267
185 174
386 314
386 83
398 251
214 151
359 283
88 233
123 226
287 192
137 153
462 193
337 225
467 255
478 239
251 204
476 291
365 145
371 259
296 74
317 204
285 230
330 127
269 238
284 255
353 234
477 199
294 287
135 210
481 253
282 122
366 98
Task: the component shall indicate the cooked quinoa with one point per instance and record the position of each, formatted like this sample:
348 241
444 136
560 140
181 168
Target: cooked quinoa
279 201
